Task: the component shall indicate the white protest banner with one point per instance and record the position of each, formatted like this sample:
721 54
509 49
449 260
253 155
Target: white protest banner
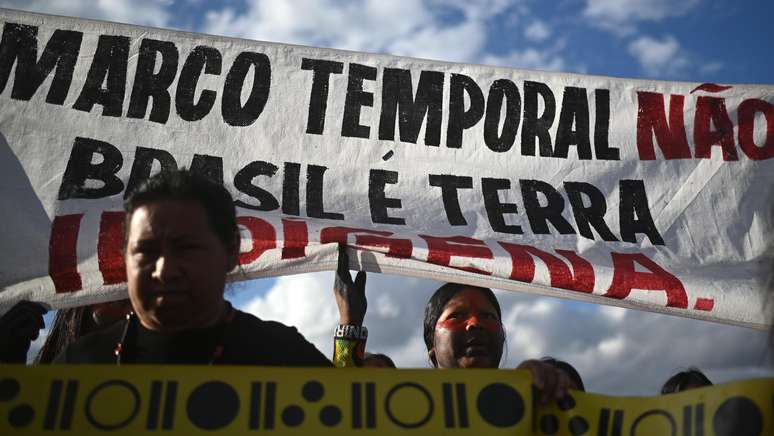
644 194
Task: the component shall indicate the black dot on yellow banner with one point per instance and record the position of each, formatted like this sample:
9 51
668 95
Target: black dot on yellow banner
738 416
313 391
21 416
578 426
500 405
212 405
330 416
293 416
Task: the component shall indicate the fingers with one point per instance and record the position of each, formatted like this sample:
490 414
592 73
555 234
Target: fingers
27 332
551 383
24 313
342 270
360 282
34 313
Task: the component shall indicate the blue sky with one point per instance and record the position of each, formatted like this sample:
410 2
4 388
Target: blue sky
617 351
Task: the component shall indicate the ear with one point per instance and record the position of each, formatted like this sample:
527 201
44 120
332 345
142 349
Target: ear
431 355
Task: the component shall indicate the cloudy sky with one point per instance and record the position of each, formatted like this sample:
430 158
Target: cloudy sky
616 351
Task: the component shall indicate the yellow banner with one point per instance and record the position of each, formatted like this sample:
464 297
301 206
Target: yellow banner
189 400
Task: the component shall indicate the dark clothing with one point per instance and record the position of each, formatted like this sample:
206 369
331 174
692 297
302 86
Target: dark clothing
245 340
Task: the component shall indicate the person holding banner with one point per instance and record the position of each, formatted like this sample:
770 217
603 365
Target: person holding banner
463 329
181 241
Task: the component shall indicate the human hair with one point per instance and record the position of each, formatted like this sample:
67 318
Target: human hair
183 184
685 380
380 357
567 369
69 325
438 300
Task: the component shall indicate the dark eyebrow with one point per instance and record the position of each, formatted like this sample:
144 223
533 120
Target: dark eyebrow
184 237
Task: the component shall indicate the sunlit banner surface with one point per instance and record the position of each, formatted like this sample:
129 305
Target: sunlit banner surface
642 194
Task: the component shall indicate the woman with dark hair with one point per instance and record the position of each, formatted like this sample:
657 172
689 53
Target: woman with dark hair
71 324
463 329
685 380
181 241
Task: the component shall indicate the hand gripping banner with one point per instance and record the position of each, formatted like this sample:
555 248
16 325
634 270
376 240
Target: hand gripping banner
642 194
134 400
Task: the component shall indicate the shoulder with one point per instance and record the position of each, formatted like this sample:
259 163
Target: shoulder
96 347
248 321
275 343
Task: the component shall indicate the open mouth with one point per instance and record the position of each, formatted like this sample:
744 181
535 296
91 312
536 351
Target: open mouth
476 351
475 347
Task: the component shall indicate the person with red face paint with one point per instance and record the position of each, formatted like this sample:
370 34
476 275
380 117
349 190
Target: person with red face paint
463 329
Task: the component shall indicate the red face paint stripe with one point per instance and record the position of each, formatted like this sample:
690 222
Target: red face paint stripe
462 324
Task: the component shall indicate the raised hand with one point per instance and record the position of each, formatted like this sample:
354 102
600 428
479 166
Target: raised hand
350 296
18 328
552 383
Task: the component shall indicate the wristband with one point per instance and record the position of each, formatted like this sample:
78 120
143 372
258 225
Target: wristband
349 343
349 331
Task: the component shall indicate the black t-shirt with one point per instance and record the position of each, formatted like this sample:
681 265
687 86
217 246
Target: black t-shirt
246 340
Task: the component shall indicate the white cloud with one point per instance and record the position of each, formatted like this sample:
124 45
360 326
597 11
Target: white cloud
140 12
620 16
711 67
611 347
659 57
415 28
530 58
537 31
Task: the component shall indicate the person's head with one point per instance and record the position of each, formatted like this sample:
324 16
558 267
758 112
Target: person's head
181 240
73 323
463 328
684 380
377 360
568 369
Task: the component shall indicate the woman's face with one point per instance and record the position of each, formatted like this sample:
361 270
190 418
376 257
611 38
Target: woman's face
176 266
468 334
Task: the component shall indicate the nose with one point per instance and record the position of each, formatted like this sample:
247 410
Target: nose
165 269
473 322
